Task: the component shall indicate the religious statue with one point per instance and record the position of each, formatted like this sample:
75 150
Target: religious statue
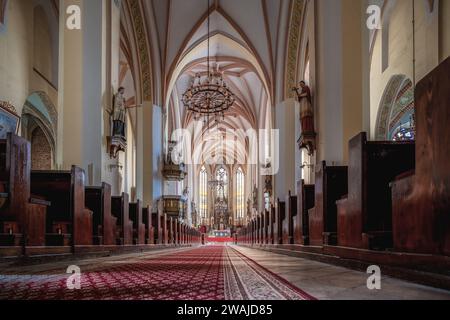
306 110
308 137
249 208
119 113
255 197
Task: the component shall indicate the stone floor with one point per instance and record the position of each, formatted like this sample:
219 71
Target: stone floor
322 281
328 282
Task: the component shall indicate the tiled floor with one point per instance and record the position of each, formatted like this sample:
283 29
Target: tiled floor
327 282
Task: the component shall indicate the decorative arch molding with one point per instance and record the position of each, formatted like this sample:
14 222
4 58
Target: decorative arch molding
388 111
47 120
293 46
3 6
144 55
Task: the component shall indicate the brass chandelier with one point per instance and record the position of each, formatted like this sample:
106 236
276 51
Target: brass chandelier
208 96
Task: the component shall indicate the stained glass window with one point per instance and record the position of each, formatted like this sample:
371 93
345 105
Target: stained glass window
240 196
222 188
203 208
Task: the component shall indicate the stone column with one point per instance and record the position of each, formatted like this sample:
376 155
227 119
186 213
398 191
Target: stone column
85 94
285 123
342 77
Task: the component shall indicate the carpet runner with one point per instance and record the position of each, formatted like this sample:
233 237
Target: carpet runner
206 273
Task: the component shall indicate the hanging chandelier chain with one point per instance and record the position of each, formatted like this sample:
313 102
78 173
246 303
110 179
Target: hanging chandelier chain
208 96
209 36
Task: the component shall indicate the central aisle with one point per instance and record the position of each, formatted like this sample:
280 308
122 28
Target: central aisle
206 273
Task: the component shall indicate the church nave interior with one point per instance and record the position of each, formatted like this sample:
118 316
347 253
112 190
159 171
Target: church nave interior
224 150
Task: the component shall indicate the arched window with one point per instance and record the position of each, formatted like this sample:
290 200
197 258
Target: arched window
222 176
203 203
240 194
395 119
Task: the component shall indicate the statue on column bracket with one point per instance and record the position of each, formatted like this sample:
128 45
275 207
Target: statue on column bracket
255 197
249 210
308 137
118 140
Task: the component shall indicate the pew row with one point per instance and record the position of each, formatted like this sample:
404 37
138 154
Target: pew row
22 215
120 207
135 212
330 186
365 216
305 201
420 198
68 222
147 219
290 216
98 200
280 213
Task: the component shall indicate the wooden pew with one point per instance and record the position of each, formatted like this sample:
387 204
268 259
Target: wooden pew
35 225
365 217
14 189
258 229
156 222
171 231
22 218
120 209
266 227
420 200
68 222
305 201
290 215
255 230
271 227
165 229
98 200
182 226
147 219
138 223
280 213
176 225
331 185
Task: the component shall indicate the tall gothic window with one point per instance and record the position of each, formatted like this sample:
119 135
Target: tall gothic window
203 203
240 196
222 175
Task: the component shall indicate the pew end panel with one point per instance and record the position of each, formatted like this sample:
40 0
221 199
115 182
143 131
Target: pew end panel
15 167
305 201
331 185
68 221
98 200
424 197
120 209
135 211
372 167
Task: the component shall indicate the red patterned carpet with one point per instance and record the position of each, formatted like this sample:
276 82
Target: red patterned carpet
207 273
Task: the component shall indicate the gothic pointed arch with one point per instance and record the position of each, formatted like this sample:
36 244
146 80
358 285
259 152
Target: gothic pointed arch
396 110
40 126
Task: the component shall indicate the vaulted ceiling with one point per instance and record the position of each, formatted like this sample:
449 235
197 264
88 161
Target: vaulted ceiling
247 39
